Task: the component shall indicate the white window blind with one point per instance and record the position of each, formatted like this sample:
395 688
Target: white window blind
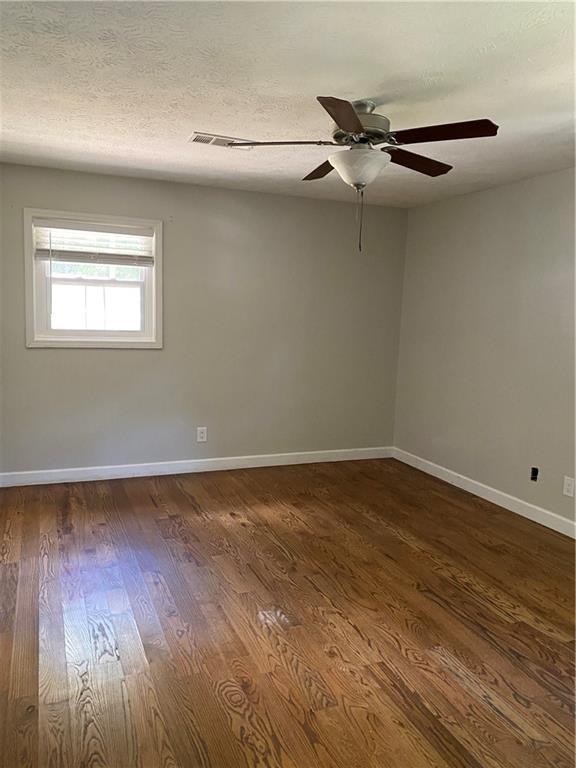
78 243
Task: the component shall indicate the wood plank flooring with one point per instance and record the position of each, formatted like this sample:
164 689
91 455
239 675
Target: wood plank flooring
349 615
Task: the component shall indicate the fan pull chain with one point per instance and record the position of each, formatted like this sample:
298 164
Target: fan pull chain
360 214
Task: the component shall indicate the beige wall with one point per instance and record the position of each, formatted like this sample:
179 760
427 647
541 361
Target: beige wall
486 372
279 336
1 331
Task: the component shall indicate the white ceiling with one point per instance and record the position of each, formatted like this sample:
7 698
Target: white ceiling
119 87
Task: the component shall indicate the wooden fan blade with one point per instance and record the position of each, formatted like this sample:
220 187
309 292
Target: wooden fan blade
417 162
320 172
471 129
343 113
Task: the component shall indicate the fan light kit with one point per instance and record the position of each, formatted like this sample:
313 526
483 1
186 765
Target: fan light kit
360 165
361 129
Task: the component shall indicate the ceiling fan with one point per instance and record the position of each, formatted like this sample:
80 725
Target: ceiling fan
362 130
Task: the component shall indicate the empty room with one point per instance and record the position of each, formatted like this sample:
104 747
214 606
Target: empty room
287 384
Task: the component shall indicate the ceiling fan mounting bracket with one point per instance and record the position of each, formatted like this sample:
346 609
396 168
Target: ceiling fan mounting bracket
364 106
376 127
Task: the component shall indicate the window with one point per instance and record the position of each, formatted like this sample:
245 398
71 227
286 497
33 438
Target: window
92 281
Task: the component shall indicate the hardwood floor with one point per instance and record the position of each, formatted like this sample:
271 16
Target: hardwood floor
349 615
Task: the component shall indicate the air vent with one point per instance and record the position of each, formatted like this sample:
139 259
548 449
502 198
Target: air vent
214 140
202 138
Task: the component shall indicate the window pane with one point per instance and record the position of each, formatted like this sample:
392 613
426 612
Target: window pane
66 269
123 272
123 310
68 307
96 308
95 271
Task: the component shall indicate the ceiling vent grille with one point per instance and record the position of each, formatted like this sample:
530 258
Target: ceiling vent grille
214 140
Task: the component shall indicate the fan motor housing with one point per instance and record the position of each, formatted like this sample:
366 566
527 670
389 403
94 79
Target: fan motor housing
376 127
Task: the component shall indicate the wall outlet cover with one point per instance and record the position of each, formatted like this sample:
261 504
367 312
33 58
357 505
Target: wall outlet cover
568 486
201 434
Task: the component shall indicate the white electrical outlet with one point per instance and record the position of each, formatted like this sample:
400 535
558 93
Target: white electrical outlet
201 434
568 486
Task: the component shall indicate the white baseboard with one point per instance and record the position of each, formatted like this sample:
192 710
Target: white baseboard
80 474
512 503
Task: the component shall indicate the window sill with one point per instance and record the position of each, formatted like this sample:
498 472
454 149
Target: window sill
93 344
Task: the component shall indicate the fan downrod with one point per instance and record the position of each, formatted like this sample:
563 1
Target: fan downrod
364 106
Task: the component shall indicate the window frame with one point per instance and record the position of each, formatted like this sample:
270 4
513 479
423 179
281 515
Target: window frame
37 333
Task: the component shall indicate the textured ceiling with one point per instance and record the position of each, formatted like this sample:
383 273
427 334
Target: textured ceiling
120 87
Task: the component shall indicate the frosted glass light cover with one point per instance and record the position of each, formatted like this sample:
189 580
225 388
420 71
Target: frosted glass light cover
359 165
